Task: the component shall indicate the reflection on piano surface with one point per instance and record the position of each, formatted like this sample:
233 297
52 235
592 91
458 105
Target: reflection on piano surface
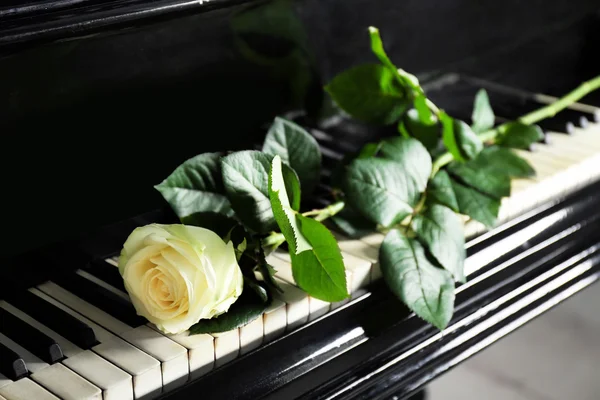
114 88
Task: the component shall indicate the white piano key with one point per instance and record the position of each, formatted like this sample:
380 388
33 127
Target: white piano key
363 249
274 320
113 260
360 270
4 381
26 389
251 335
357 248
227 347
201 352
200 348
280 261
173 357
57 378
373 239
66 384
113 381
144 369
297 304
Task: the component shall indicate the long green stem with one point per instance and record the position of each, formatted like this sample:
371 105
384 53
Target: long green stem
530 118
276 239
330 211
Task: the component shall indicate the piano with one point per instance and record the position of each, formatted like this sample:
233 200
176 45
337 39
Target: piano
102 99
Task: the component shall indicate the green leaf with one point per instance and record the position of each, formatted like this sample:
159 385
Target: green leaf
369 150
482 179
268 273
411 156
319 271
292 186
502 160
476 205
370 93
468 142
449 136
459 139
352 223
240 249
218 223
412 126
196 186
378 50
519 136
425 115
246 180
442 232
249 306
284 214
408 81
423 287
439 190
258 290
380 190
297 148
483 116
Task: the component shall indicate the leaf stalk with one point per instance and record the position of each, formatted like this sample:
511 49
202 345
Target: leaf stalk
531 118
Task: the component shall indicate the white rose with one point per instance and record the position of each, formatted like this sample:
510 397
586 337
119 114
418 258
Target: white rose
177 275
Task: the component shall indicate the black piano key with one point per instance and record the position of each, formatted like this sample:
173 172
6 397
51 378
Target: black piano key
54 318
28 337
11 365
107 273
100 297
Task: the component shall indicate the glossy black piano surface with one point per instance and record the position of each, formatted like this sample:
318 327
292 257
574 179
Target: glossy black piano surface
100 100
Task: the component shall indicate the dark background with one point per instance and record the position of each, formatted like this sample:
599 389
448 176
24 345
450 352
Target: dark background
93 115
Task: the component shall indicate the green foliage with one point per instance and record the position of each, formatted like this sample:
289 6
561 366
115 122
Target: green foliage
380 190
218 223
476 205
483 116
425 115
246 180
411 275
440 190
317 263
369 93
412 157
319 271
352 223
268 273
485 180
284 214
440 229
392 185
250 305
519 136
501 160
459 139
297 148
412 126
196 186
369 150
386 189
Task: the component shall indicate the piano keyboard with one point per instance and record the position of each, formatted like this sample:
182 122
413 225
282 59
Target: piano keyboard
77 336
